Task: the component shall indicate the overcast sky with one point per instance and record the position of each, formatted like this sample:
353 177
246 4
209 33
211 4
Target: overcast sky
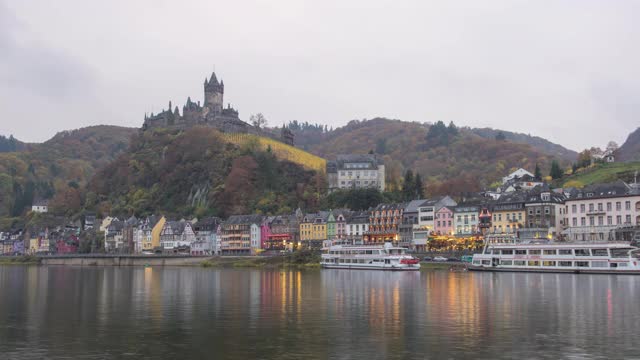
568 71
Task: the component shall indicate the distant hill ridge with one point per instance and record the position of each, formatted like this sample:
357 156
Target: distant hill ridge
630 150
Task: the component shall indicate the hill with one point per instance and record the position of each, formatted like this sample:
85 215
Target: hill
58 167
630 150
541 144
200 172
452 160
10 144
601 173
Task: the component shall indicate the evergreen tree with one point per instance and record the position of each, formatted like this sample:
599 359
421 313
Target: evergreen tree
537 173
556 171
419 187
409 185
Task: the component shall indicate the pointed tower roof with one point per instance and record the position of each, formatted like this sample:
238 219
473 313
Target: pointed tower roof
214 79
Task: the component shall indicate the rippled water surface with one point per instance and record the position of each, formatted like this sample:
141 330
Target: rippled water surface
184 313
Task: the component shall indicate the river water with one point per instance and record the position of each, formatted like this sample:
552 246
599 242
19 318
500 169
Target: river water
197 313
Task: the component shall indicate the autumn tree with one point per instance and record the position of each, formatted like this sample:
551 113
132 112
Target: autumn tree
258 120
537 173
556 171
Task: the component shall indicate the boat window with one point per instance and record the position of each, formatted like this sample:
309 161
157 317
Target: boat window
620 253
582 252
534 252
342 261
622 264
486 262
599 252
549 252
533 263
476 262
548 263
564 263
565 252
613 265
487 250
506 262
519 262
600 264
361 261
507 252
369 252
582 263
521 252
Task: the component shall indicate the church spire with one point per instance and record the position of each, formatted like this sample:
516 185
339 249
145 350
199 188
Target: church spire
214 79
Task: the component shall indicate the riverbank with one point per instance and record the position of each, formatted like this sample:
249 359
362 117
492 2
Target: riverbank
297 260
19 260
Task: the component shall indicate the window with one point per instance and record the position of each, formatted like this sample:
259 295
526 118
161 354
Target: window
534 252
592 221
599 206
575 222
582 263
628 219
506 262
549 252
547 211
521 252
519 262
599 252
618 205
618 219
608 206
600 264
609 220
600 220
581 208
533 263
627 205
548 263
573 208
590 207
582 252
507 252
564 263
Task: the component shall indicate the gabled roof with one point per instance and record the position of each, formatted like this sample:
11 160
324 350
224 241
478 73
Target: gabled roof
413 205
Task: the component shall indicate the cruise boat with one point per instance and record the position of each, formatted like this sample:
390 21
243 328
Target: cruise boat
543 256
368 257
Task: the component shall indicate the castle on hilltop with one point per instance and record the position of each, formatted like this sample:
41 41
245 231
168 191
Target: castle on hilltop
212 113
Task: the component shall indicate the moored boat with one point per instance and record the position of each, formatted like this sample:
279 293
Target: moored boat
368 257
593 258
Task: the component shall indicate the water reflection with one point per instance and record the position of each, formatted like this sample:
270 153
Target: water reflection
62 312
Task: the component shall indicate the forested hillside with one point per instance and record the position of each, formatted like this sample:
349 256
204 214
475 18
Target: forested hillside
198 172
58 168
10 144
536 142
451 159
630 150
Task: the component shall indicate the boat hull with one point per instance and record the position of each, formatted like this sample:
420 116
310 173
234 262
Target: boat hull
555 271
366 267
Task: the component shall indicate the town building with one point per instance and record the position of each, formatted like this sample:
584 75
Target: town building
356 172
113 236
177 237
284 233
384 224
40 206
206 231
466 219
357 224
596 212
509 213
444 221
545 210
313 230
427 211
239 234
409 222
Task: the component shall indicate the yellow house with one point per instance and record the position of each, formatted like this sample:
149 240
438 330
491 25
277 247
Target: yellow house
313 229
155 235
34 245
509 214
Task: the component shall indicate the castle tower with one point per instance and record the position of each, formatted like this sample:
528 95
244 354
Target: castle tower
213 94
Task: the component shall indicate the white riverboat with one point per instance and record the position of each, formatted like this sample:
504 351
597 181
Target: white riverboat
368 257
540 256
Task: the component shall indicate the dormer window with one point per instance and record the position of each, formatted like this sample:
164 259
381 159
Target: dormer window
545 196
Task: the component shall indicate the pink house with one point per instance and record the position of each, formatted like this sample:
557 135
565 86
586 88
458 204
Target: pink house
443 221
265 231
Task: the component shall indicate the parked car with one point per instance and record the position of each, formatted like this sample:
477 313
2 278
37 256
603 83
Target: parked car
427 258
439 258
453 259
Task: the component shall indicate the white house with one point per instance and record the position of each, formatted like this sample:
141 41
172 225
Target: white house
516 174
41 206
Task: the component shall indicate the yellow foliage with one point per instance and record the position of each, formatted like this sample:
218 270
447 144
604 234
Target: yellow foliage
281 150
574 183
